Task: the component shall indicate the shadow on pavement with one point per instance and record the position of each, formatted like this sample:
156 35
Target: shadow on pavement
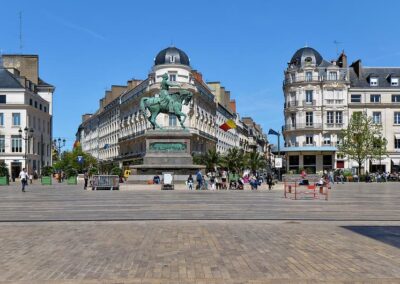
386 234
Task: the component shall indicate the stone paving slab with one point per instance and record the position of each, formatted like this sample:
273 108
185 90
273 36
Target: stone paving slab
347 202
192 252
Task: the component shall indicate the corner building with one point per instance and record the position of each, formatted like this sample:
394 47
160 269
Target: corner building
315 110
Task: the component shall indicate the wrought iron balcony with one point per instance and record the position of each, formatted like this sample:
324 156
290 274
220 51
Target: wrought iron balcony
309 103
302 126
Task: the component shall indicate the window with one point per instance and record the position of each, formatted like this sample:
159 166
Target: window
376 117
40 106
355 98
308 76
375 98
309 118
339 117
2 143
3 99
30 102
16 118
394 81
308 60
332 76
395 98
293 119
329 117
396 143
310 163
309 140
45 109
309 96
327 139
16 144
172 120
172 77
172 59
373 81
293 77
1 119
397 117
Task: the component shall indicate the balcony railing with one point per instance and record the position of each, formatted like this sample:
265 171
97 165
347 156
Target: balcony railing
309 103
342 76
334 125
301 126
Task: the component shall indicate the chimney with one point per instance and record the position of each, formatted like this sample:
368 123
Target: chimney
232 105
342 60
86 116
197 75
357 67
133 84
27 65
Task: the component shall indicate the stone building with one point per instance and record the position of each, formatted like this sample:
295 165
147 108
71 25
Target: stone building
26 111
315 110
376 91
115 133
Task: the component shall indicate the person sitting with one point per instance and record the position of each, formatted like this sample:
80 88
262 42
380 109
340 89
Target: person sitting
190 182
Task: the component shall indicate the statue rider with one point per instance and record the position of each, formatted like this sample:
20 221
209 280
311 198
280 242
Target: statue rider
164 93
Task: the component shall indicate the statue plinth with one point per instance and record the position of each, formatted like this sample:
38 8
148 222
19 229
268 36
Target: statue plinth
167 150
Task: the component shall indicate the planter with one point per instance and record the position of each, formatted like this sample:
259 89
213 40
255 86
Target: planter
46 180
72 180
4 181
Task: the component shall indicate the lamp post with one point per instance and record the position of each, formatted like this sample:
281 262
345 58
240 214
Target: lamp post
273 132
59 143
28 134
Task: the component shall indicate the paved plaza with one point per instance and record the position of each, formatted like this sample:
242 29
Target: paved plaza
63 234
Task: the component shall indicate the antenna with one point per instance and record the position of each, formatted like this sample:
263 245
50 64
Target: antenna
335 42
20 31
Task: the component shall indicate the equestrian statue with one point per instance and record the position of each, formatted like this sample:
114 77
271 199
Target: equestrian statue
166 103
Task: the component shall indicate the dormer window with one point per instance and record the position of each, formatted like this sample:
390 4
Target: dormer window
373 81
394 81
308 60
172 77
172 59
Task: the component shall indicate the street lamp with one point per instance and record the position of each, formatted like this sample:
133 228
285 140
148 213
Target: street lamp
59 143
28 134
273 132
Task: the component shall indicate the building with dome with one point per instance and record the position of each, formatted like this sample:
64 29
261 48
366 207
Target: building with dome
315 110
116 132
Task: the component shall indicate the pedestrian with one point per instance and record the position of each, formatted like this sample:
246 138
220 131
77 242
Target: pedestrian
223 179
86 178
30 178
269 181
212 181
190 182
199 179
24 178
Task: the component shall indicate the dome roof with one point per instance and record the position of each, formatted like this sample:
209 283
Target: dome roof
306 55
172 55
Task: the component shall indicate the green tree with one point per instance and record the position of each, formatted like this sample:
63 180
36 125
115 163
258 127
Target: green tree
254 161
4 170
359 137
212 159
234 160
69 161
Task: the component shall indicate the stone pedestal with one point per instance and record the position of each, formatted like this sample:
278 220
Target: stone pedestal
167 150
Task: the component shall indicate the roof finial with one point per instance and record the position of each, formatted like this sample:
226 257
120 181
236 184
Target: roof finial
172 44
306 45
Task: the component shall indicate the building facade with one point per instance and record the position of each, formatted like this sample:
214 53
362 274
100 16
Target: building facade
115 133
315 110
26 110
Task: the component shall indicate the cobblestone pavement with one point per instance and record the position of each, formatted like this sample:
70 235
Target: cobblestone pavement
354 237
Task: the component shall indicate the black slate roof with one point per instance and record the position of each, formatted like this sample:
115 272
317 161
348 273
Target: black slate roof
8 80
383 74
163 57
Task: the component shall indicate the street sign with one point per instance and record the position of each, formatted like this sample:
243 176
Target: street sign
278 163
80 159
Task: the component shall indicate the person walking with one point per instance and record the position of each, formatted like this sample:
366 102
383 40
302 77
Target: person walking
190 182
86 178
269 181
24 178
199 178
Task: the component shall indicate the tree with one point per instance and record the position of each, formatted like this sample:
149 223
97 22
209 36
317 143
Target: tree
254 161
359 137
69 161
234 160
212 159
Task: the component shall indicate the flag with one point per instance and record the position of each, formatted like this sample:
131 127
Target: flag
229 124
77 144
272 132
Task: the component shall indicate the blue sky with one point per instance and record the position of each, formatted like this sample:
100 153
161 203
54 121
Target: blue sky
86 46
